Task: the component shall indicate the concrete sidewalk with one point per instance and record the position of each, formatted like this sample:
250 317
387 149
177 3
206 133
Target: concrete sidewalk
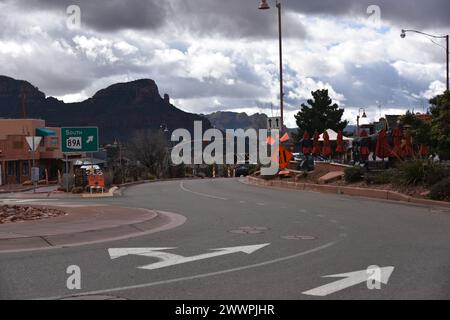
84 224
43 193
14 188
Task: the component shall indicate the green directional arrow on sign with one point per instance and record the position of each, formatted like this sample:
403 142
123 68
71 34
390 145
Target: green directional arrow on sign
84 139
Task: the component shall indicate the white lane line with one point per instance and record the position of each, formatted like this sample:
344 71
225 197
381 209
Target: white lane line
200 193
11 200
199 276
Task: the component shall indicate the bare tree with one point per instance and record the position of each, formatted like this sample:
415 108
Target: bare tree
150 148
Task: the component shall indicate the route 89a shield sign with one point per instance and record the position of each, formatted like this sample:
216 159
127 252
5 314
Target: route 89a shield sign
79 139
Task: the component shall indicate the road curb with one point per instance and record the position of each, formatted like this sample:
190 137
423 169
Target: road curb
350 191
157 221
16 191
108 194
122 187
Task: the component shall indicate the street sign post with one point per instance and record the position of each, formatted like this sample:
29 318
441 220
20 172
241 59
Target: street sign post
79 139
33 143
76 140
35 175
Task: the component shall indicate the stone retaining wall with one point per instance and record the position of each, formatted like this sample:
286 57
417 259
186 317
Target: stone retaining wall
351 191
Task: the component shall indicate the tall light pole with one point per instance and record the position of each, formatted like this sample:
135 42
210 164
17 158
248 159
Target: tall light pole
403 35
358 118
265 6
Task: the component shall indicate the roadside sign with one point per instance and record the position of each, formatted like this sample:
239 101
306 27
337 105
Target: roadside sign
33 142
274 123
96 180
79 139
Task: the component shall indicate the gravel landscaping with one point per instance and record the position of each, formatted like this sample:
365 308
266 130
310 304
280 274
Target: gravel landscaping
13 213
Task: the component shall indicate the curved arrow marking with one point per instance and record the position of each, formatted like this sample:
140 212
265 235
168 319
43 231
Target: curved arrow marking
169 259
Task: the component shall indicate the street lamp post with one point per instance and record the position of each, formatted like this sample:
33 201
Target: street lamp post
265 6
403 35
358 118
118 144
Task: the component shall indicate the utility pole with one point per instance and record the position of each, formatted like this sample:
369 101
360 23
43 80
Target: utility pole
24 103
264 5
448 53
280 35
34 165
121 163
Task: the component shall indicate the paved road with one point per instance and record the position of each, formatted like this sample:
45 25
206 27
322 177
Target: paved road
307 236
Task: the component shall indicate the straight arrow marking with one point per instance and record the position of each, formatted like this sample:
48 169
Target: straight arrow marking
169 259
351 279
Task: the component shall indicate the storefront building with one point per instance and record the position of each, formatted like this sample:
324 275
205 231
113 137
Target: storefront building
16 157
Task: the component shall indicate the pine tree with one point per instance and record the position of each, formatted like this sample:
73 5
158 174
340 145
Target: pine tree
440 127
320 114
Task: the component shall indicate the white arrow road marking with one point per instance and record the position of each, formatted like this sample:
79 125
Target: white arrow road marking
169 259
351 279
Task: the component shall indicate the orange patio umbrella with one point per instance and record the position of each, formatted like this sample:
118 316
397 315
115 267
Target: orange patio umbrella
340 143
326 151
383 149
424 151
397 151
306 145
364 149
408 147
316 145
284 138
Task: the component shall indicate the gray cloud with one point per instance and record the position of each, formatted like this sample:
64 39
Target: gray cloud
237 18
177 23
242 18
107 15
418 13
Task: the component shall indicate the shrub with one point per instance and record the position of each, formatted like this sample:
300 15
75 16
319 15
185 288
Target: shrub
78 190
109 177
441 190
410 173
385 177
353 174
434 173
419 172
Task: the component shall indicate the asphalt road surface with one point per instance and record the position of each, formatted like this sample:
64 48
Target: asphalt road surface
302 238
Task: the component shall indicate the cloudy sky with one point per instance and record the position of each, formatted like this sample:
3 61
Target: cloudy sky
214 55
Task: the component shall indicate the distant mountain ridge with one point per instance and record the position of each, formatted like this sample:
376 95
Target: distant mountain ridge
232 120
118 110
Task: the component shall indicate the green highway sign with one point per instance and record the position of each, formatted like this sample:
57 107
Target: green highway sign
79 139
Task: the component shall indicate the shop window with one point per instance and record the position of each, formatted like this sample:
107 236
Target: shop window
25 168
10 170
